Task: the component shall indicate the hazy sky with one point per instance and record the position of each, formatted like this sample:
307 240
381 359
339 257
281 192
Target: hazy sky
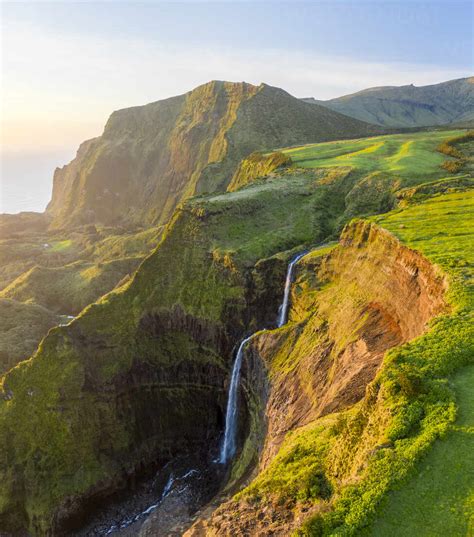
66 66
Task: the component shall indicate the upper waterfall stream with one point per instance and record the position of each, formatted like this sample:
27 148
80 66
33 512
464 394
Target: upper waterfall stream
229 443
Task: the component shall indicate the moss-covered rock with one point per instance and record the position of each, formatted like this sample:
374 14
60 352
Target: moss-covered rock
22 326
256 166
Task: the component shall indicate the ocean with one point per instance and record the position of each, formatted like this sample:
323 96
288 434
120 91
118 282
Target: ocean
26 178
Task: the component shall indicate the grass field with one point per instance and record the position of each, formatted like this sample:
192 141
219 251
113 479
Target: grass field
437 500
411 156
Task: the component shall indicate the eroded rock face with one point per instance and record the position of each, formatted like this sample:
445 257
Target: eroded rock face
372 293
349 307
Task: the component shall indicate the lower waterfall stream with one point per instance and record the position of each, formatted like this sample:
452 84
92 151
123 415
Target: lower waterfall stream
185 485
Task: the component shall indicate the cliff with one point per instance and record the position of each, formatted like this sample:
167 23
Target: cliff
99 402
151 157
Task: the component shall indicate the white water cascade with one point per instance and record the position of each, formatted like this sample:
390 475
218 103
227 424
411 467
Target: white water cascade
283 312
229 444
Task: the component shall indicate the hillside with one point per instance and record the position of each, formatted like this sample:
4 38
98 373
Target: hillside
151 157
45 275
409 106
139 378
22 326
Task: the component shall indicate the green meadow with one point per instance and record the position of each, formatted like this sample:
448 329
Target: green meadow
409 156
438 497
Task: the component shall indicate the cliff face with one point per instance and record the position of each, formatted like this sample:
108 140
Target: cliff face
141 376
149 158
349 306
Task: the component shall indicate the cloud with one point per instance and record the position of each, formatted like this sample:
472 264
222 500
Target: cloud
69 84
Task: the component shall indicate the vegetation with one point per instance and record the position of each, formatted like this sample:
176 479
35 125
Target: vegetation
411 158
255 166
21 328
297 472
437 499
411 403
69 289
451 147
66 274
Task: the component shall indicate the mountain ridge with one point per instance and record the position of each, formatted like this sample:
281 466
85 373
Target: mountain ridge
408 105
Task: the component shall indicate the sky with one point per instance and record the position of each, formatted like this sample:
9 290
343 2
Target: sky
65 66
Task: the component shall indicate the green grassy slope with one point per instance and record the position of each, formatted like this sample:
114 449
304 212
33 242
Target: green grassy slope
69 289
21 328
412 157
437 500
66 272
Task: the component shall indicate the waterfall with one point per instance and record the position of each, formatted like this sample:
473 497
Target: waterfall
229 444
286 295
